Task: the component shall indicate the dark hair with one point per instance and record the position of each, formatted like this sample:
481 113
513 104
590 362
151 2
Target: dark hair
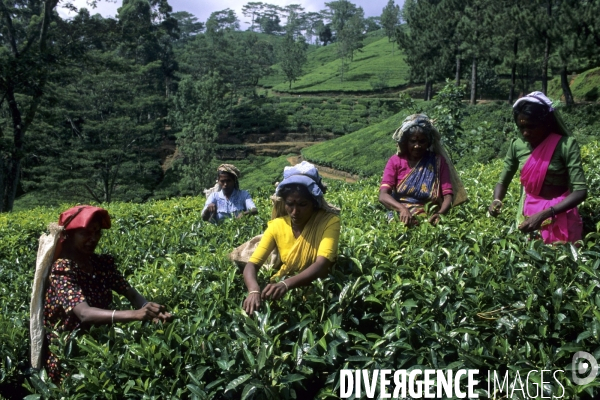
539 113
300 189
412 131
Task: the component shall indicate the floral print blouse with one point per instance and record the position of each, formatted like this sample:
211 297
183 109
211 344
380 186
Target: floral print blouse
69 286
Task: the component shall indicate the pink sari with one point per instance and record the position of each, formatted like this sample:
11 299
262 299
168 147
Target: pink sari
564 227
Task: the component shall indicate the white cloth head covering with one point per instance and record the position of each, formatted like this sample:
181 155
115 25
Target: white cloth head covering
541 98
423 121
305 174
536 97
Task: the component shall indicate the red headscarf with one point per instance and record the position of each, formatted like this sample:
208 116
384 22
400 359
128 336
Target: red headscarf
80 217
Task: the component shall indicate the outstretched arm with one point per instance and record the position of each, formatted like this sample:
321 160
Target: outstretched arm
386 198
446 204
252 211
534 222
318 269
253 300
95 315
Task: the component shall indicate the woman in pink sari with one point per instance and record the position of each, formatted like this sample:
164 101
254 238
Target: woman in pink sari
551 172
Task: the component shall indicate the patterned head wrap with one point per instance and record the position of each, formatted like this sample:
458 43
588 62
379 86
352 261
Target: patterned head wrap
231 169
307 175
420 120
535 97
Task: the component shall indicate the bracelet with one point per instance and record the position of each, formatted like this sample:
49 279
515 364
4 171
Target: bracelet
286 286
553 212
254 291
499 201
112 319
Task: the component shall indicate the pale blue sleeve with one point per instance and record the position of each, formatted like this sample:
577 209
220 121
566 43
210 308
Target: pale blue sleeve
249 203
209 200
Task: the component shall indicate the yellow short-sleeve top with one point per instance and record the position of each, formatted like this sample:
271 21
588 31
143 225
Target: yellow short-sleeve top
279 233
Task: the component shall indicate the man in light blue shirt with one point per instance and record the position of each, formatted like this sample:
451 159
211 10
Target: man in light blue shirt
226 199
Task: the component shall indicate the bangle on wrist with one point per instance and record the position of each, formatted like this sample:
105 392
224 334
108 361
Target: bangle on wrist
553 212
112 319
286 286
254 291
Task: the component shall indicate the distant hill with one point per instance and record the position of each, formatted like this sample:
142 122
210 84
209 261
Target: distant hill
372 69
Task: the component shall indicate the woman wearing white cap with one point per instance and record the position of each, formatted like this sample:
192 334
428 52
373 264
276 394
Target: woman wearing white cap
305 229
551 172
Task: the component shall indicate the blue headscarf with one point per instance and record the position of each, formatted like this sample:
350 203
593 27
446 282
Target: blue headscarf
304 174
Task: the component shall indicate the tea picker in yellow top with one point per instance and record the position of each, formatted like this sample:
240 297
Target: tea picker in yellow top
305 230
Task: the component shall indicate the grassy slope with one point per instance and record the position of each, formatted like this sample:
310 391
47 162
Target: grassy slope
375 61
585 86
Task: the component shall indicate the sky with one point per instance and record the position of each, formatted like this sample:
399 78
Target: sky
203 8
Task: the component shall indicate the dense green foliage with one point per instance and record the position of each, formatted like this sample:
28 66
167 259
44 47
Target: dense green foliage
525 40
312 115
471 292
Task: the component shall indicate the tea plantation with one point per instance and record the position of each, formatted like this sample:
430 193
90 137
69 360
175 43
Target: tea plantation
471 292
312 115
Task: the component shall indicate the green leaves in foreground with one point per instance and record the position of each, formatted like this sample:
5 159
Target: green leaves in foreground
471 292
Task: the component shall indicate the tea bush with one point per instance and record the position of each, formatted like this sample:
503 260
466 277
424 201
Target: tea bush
308 115
471 292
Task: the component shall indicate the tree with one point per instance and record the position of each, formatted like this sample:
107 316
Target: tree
390 18
295 19
292 56
422 44
252 10
313 21
188 25
341 11
199 109
324 32
104 120
30 48
476 31
372 24
270 20
354 32
220 21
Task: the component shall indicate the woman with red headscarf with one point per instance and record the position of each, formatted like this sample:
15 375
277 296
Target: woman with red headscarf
78 290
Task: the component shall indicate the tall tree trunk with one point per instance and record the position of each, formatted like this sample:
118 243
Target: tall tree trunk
430 91
426 84
546 55
474 81
564 83
457 77
2 175
14 164
513 72
545 66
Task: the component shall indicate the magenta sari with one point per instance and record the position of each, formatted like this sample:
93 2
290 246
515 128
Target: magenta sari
564 227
